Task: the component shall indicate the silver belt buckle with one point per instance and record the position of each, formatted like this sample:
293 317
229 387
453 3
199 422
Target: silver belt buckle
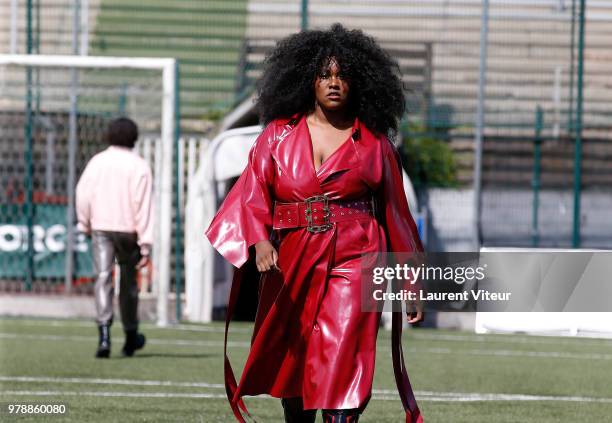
326 225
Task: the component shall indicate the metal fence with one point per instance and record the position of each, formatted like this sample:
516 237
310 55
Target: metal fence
507 137
35 176
205 36
54 112
508 116
507 141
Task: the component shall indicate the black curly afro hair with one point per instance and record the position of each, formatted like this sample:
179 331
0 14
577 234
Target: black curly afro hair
375 88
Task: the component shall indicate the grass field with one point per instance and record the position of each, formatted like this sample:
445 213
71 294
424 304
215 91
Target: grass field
178 377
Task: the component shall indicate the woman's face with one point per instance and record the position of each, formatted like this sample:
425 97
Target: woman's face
331 87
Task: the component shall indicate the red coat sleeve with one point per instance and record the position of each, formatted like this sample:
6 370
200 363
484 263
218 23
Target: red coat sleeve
245 217
402 236
393 211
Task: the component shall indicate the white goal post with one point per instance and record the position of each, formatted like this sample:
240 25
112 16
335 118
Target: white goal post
167 67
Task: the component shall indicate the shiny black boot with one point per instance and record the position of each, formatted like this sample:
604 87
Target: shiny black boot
133 341
104 342
295 413
340 416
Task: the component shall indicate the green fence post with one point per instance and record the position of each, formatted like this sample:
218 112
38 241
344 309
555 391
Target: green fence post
570 115
415 138
29 169
578 129
123 99
36 50
177 246
535 183
304 22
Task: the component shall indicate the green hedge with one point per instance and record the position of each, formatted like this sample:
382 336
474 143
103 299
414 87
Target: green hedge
429 160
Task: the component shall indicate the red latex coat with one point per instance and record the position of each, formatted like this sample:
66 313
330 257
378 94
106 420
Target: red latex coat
311 339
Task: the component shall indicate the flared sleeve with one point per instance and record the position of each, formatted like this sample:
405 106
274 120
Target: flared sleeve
245 217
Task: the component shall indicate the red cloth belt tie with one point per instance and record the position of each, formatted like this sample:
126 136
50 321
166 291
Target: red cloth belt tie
318 213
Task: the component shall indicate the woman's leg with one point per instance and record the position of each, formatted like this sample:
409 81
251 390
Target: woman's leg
341 416
295 413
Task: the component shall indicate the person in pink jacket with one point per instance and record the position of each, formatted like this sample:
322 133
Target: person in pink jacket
113 205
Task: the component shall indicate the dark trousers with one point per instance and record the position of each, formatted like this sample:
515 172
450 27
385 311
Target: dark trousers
108 246
293 409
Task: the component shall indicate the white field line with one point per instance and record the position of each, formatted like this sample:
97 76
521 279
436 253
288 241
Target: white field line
475 397
101 381
444 351
148 326
377 393
442 337
513 353
423 396
511 339
182 342
113 394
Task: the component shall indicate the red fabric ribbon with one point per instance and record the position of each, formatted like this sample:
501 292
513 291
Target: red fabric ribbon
413 414
230 380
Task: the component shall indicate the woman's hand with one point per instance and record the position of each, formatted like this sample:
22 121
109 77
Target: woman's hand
265 256
414 311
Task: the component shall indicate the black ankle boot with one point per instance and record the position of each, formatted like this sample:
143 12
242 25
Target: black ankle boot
133 341
295 413
340 416
104 341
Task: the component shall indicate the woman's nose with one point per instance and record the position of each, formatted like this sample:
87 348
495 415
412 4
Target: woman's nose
334 80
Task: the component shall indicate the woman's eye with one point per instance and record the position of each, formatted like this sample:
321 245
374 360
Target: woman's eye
328 75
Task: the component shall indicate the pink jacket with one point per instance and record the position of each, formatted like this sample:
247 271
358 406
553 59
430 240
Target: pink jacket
114 194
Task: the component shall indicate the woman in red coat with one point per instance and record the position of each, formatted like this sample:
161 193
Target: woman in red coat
323 185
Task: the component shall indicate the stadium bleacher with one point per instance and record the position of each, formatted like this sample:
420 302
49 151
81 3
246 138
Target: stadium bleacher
204 36
528 41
